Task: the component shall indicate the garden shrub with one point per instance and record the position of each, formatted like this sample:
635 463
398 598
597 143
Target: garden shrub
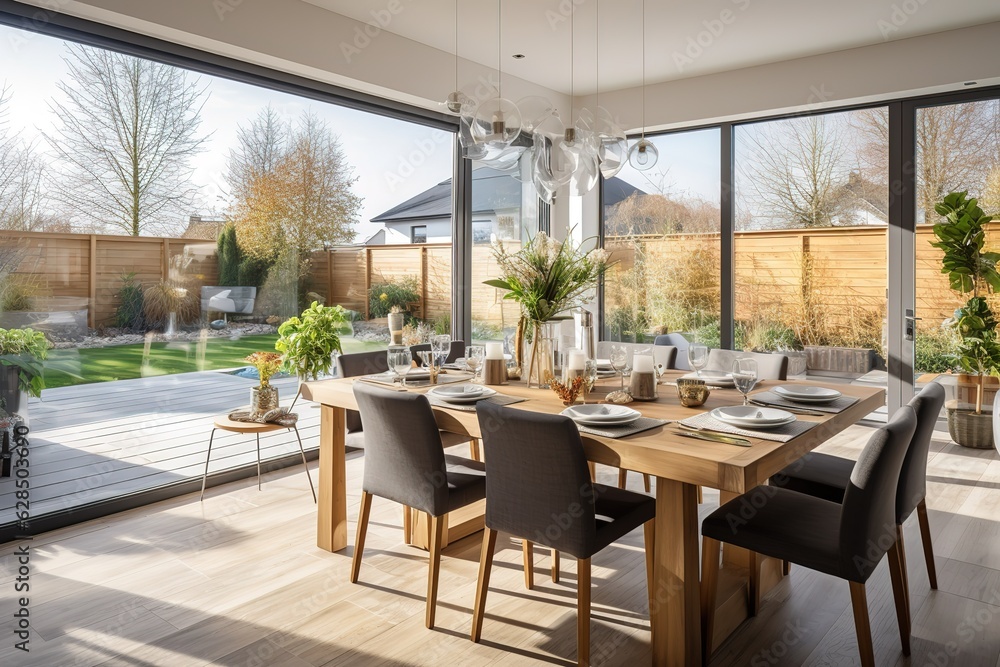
229 257
384 295
253 272
129 313
935 350
165 297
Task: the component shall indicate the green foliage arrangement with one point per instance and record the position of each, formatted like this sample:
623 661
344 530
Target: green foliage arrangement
962 237
934 351
384 296
229 256
165 297
307 342
253 271
129 311
26 349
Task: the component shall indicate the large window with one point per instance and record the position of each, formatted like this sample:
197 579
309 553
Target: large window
662 228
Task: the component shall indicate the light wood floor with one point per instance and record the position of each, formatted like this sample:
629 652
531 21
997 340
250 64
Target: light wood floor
237 580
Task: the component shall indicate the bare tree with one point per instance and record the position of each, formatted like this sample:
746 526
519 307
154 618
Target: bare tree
795 173
127 131
21 169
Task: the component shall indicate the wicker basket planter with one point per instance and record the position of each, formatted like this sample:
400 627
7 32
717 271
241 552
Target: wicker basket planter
969 429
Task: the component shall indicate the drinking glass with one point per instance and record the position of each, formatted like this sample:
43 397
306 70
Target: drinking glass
474 356
698 357
441 346
619 359
400 361
745 377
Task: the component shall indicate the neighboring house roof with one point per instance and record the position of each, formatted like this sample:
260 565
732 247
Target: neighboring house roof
203 228
492 191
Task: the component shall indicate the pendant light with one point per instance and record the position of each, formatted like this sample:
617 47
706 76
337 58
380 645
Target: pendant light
612 144
643 154
497 120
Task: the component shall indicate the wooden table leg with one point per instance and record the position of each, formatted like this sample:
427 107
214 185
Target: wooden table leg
331 521
675 616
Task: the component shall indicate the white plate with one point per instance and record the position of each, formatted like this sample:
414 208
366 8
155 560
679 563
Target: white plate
460 391
446 394
745 416
604 365
807 394
606 414
715 378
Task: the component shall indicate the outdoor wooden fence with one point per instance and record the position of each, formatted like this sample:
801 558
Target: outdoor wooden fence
846 268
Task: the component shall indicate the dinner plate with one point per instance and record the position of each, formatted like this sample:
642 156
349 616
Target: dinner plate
715 378
807 393
459 394
601 413
746 416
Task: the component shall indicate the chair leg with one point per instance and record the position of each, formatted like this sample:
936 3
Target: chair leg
437 535
701 496
649 542
483 583
645 482
899 596
474 452
753 589
786 568
711 552
204 478
925 536
859 603
902 568
555 566
306 465
529 564
622 478
407 525
359 541
583 611
258 461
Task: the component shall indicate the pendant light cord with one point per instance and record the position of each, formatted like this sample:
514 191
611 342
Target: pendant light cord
499 48
643 138
572 63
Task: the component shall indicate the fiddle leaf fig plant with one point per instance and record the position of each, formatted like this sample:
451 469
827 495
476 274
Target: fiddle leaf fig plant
971 270
307 342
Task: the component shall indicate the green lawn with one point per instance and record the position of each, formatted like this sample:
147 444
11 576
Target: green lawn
122 362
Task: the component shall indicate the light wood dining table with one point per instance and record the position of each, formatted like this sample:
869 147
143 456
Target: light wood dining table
679 464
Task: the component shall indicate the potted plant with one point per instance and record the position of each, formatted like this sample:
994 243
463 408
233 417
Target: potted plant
308 342
264 397
22 352
962 236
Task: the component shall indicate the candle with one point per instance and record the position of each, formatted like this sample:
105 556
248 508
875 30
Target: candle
642 363
494 350
576 360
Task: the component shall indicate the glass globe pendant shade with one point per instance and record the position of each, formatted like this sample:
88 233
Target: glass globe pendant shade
456 103
552 165
471 149
643 155
585 176
497 123
612 147
534 109
509 161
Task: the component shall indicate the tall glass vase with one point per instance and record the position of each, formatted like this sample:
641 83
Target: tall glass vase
541 354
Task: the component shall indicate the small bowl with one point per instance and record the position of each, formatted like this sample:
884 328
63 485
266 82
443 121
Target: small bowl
692 392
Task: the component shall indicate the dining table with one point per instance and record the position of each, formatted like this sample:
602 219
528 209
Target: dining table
680 465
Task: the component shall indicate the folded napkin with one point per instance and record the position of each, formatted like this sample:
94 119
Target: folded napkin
784 433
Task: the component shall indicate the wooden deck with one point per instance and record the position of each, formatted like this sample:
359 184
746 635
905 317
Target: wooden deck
94 442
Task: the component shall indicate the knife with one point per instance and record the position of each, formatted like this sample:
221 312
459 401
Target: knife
798 411
717 437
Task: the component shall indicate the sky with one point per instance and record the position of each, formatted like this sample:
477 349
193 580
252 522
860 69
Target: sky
393 160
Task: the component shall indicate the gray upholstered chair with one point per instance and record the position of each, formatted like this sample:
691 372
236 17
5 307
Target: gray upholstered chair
457 350
681 343
770 365
825 476
405 462
846 540
567 512
369 363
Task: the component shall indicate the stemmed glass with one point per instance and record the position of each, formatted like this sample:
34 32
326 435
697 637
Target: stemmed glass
400 361
441 347
474 356
618 359
697 357
745 377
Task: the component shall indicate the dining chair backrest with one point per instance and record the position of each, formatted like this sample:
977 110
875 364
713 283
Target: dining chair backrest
355 365
665 356
867 518
681 343
523 496
770 365
913 478
404 458
457 350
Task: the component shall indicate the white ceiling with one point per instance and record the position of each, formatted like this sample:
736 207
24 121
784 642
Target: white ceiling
746 32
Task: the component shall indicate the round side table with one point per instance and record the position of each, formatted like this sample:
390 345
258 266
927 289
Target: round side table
227 424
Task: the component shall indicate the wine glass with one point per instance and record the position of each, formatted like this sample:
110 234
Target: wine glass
474 356
441 346
697 357
400 361
745 377
618 360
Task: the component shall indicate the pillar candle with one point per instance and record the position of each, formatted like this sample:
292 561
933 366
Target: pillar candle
575 361
642 363
494 350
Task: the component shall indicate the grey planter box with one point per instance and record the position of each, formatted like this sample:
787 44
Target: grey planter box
849 362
